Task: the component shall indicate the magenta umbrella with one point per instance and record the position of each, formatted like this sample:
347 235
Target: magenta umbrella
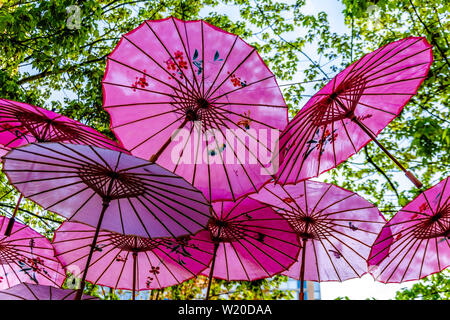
27 256
352 109
133 263
197 100
22 123
107 189
415 242
337 228
251 242
27 291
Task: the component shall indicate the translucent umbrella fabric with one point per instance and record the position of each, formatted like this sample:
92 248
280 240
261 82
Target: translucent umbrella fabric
132 263
337 228
171 74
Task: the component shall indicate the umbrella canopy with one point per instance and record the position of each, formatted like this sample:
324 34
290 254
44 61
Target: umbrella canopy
27 256
415 243
26 291
197 100
107 189
74 181
22 123
133 263
352 109
251 241
337 228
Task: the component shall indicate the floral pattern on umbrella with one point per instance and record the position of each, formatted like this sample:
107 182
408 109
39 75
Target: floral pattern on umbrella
416 241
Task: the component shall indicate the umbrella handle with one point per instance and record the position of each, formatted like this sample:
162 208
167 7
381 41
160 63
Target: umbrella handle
11 220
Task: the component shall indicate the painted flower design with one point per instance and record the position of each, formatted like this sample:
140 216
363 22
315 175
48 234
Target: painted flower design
154 270
141 82
236 81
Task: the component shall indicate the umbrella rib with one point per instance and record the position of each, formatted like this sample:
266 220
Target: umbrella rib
221 68
121 271
329 258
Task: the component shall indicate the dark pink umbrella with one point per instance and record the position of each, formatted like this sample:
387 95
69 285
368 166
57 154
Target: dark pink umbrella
133 263
170 74
22 123
415 242
27 256
251 242
107 189
337 228
352 109
27 291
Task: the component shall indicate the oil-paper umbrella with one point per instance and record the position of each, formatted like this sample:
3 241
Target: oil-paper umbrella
107 189
197 100
27 256
251 241
22 123
337 229
27 291
415 243
132 263
352 109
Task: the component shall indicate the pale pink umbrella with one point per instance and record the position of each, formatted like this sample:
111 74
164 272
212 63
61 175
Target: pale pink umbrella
415 243
132 263
22 123
171 74
251 242
337 228
27 256
107 189
348 112
27 291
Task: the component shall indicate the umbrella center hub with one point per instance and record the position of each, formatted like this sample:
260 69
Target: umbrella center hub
124 185
224 231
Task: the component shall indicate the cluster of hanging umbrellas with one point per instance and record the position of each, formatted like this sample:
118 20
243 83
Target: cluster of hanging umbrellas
141 216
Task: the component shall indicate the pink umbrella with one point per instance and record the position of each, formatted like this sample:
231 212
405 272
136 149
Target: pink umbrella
352 109
415 242
337 228
26 291
22 123
27 256
107 189
251 241
197 100
133 263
